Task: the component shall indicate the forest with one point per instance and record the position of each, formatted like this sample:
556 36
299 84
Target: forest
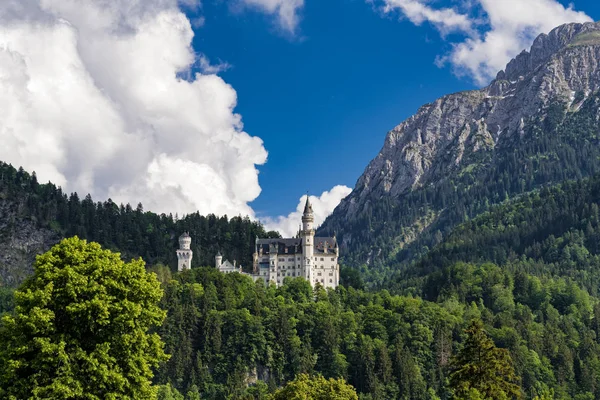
131 231
526 268
224 331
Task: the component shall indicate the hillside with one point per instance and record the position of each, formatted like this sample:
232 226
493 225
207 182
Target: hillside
35 216
553 232
536 124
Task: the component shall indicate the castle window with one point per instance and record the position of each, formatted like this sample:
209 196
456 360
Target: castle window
331 281
332 258
319 274
331 274
322 259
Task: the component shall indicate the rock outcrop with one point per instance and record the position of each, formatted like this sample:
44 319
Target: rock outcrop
456 132
439 136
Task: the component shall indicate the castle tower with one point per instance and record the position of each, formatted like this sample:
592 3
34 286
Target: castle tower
218 260
308 236
184 253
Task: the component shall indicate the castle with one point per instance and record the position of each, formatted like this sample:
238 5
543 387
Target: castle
313 258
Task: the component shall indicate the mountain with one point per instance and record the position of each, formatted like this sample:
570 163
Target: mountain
535 124
35 216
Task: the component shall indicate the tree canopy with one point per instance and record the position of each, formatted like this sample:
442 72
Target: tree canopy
305 387
80 328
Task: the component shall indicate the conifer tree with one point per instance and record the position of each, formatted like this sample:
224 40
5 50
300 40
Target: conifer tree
480 367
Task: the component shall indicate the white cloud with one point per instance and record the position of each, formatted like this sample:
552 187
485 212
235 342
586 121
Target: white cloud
207 68
92 101
322 206
445 19
287 11
507 27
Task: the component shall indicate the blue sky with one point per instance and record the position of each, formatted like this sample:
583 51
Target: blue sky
324 99
176 103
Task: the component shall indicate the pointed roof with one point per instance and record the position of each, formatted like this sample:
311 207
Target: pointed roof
184 235
219 254
308 207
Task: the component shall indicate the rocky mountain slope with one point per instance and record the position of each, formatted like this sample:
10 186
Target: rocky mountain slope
466 150
21 240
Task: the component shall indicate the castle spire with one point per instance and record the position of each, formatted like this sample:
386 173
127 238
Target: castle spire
308 207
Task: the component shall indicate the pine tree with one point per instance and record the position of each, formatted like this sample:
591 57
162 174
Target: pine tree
481 367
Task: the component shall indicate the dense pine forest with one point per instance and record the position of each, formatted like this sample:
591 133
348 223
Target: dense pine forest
550 232
131 231
223 332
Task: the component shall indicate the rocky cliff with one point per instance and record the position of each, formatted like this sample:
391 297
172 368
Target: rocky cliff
467 131
21 239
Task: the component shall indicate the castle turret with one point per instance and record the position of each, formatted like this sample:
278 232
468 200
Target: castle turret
308 236
218 260
184 253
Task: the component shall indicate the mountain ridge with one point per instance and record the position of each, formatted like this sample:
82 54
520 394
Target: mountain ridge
466 133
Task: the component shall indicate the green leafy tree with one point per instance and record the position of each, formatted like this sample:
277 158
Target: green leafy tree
305 387
480 368
168 392
80 328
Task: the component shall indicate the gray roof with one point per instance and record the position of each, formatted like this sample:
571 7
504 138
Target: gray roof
281 246
308 207
294 245
321 242
184 235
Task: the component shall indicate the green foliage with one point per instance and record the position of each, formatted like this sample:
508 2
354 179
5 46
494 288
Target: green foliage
131 231
80 328
235 339
481 370
6 300
315 388
168 392
551 232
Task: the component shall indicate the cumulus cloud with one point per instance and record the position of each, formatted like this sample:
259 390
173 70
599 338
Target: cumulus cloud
493 31
445 19
322 205
92 100
287 11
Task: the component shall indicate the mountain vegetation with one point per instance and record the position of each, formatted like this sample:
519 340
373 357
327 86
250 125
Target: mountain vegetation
35 216
233 339
534 126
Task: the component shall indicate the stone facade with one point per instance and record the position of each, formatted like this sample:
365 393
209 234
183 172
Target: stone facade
184 253
313 258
